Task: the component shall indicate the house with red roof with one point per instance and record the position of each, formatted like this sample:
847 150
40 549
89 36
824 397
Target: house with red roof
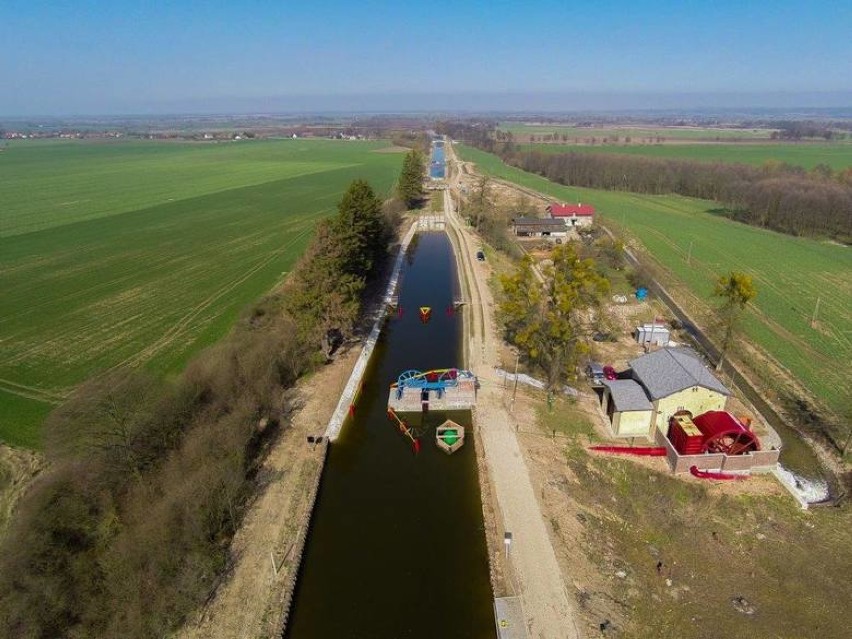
574 215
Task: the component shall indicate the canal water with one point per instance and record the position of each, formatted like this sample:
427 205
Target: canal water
438 163
397 543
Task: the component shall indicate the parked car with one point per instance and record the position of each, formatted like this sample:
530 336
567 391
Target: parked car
609 372
480 256
595 373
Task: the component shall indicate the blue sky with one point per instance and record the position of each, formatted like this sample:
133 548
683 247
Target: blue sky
85 57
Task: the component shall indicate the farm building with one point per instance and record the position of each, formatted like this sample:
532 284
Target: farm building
574 215
657 398
653 334
538 227
676 379
627 406
669 380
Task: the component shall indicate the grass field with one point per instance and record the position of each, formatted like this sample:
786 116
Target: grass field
521 131
838 155
790 273
125 282
53 183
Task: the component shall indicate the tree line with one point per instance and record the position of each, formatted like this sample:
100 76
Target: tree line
777 196
127 531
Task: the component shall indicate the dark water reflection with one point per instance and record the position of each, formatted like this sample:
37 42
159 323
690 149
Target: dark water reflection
397 546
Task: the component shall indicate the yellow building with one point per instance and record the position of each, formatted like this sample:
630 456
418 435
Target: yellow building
628 408
676 379
660 384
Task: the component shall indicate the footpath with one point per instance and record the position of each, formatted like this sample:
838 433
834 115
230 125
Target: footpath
533 568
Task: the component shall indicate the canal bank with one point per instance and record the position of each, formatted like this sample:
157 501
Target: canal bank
396 545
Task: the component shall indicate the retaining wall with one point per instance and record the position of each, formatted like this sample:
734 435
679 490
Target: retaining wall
758 461
295 561
332 431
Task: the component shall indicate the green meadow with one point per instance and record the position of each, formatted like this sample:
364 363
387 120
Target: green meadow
142 253
791 273
806 154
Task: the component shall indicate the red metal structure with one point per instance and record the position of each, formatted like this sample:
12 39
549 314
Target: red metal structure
723 433
684 434
404 429
716 431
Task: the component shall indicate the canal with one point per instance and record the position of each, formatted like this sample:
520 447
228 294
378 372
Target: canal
438 162
397 543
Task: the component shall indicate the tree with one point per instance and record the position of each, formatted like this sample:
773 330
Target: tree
410 186
360 228
325 292
736 290
480 202
113 422
546 320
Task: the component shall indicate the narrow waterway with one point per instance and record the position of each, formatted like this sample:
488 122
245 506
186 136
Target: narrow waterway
438 162
397 545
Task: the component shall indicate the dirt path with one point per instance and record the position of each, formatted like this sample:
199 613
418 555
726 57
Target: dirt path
533 565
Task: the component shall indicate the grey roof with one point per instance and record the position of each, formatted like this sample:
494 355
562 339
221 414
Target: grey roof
538 221
670 370
627 394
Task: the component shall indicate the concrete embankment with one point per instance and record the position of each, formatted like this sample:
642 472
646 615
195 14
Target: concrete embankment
334 426
299 546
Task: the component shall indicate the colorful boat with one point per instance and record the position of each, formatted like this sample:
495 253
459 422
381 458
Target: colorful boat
449 436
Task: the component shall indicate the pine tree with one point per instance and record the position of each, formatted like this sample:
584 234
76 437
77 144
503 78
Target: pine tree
361 229
328 282
410 187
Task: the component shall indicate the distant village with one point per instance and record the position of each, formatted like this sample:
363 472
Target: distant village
214 136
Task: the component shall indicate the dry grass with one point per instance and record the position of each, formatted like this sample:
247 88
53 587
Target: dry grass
660 556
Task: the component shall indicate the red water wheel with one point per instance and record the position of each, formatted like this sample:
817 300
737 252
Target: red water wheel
731 443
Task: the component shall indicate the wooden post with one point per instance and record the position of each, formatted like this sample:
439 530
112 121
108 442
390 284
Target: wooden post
515 389
274 567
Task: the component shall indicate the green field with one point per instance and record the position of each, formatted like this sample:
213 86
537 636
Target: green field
149 279
521 131
838 155
790 273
